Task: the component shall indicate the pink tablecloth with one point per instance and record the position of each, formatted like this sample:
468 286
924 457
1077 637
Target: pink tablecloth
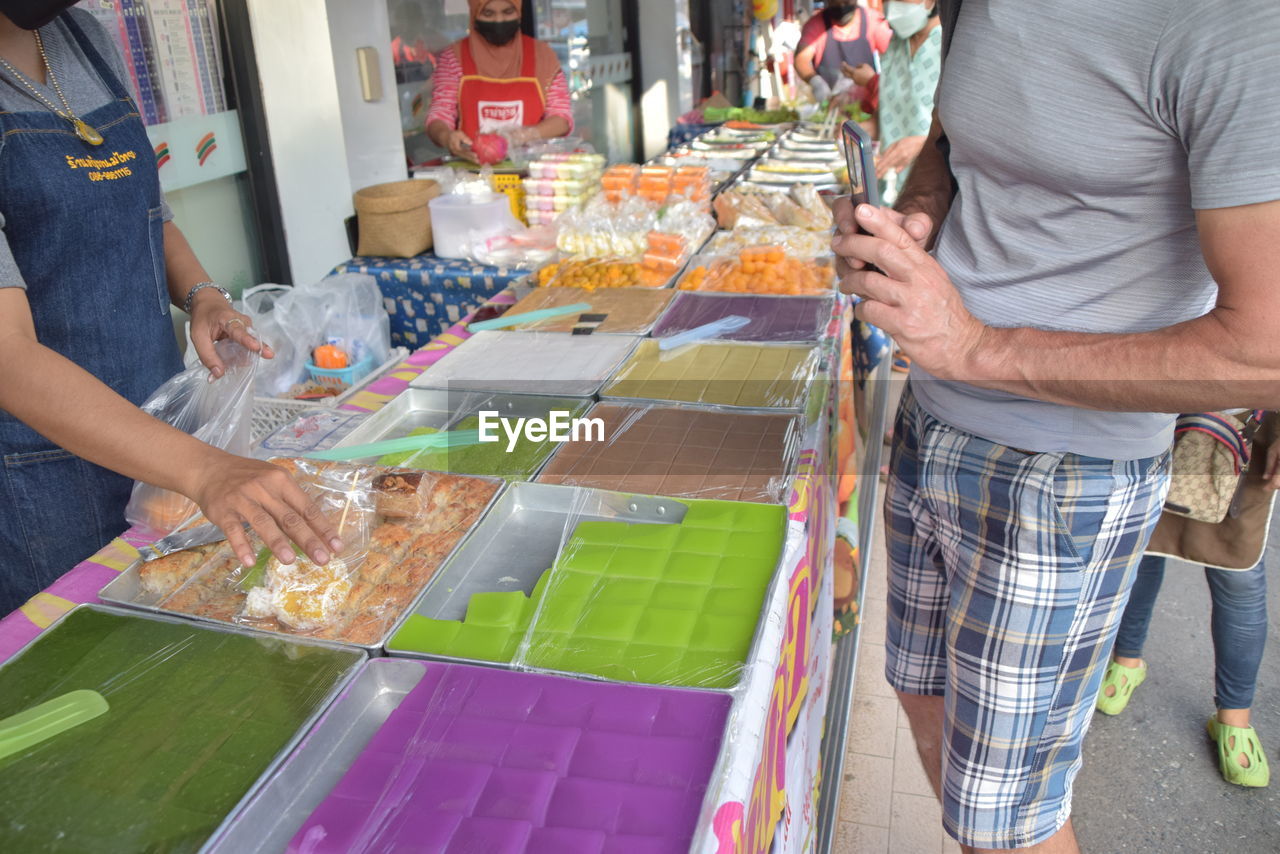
81 584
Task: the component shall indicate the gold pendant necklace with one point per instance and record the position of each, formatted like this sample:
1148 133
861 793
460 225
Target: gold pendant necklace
83 129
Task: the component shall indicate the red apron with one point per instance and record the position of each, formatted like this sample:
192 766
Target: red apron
487 104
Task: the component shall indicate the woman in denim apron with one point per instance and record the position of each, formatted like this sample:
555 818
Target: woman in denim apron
91 337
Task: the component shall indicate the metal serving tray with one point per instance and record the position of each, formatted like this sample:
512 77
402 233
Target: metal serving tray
443 410
126 592
520 538
818 361
791 455
269 772
288 796
471 368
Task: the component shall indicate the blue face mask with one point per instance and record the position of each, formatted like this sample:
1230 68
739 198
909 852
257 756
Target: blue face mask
906 19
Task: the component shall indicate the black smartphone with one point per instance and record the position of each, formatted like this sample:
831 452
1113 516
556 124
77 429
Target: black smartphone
861 161
862 165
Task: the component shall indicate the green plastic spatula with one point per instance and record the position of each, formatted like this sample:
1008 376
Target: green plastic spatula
432 441
40 723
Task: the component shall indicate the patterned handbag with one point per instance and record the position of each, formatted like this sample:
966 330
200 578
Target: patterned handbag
1210 453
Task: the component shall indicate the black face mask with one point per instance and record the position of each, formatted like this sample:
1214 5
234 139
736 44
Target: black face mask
33 14
498 33
838 14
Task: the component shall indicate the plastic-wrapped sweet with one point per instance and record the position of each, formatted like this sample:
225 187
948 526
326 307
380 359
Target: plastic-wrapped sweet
591 274
795 241
301 595
397 528
760 270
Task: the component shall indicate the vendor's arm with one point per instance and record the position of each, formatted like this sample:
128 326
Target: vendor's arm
557 118
73 409
442 117
1227 358
212 317
804 62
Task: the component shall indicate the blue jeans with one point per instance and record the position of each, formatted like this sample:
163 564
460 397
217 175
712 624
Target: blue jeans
1239 626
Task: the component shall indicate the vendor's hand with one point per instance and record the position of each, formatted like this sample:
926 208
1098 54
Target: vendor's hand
861 74
234 490
899 156
918 225
913 300
521 135
459 145
1272 471
821 89
213 319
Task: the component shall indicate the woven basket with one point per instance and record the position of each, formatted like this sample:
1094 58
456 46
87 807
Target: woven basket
394 219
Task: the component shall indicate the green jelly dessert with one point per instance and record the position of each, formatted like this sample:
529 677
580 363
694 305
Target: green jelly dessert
196 716
659 604
487 458
491 631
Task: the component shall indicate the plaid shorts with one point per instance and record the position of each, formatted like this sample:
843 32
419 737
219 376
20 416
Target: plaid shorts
1008 575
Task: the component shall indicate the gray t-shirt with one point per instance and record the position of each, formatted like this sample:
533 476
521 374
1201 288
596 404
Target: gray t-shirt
84 89
1084 136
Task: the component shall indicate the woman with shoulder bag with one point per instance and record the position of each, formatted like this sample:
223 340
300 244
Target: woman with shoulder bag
1231 550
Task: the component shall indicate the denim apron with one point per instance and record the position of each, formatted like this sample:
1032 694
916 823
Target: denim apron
85 226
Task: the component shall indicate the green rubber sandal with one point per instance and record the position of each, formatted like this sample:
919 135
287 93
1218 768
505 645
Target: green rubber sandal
1123 680
1234 742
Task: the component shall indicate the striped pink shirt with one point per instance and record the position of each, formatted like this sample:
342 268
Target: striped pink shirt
444 93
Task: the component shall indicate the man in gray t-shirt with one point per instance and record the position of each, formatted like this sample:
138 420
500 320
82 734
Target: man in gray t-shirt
1108 255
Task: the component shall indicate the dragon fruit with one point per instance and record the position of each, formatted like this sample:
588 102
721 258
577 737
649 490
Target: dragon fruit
489 148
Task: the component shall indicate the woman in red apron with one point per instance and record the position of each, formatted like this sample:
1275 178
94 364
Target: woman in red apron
497 80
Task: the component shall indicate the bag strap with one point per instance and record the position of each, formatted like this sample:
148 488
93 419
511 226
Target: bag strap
949 12
1220 430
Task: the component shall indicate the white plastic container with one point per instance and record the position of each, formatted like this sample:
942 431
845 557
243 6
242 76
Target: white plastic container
459 222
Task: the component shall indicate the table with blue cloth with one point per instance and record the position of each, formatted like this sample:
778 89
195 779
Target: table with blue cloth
426 295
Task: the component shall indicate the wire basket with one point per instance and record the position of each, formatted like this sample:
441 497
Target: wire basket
272 413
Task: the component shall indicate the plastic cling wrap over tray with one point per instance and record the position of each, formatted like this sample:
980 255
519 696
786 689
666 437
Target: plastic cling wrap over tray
399 526
684 452
623 587
800 319
449 758
754 376
630 311
765 270
509 451
796 242
547 363
195 717
594 274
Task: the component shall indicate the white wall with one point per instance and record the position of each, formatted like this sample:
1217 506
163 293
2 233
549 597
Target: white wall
666 77
375 146
304 125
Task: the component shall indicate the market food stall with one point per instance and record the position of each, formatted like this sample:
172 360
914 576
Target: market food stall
618 643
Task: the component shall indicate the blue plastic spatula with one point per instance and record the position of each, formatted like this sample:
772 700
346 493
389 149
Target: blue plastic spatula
705 332
41 723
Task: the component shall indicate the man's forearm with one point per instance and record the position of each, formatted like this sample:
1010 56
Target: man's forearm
1198 366
928 187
